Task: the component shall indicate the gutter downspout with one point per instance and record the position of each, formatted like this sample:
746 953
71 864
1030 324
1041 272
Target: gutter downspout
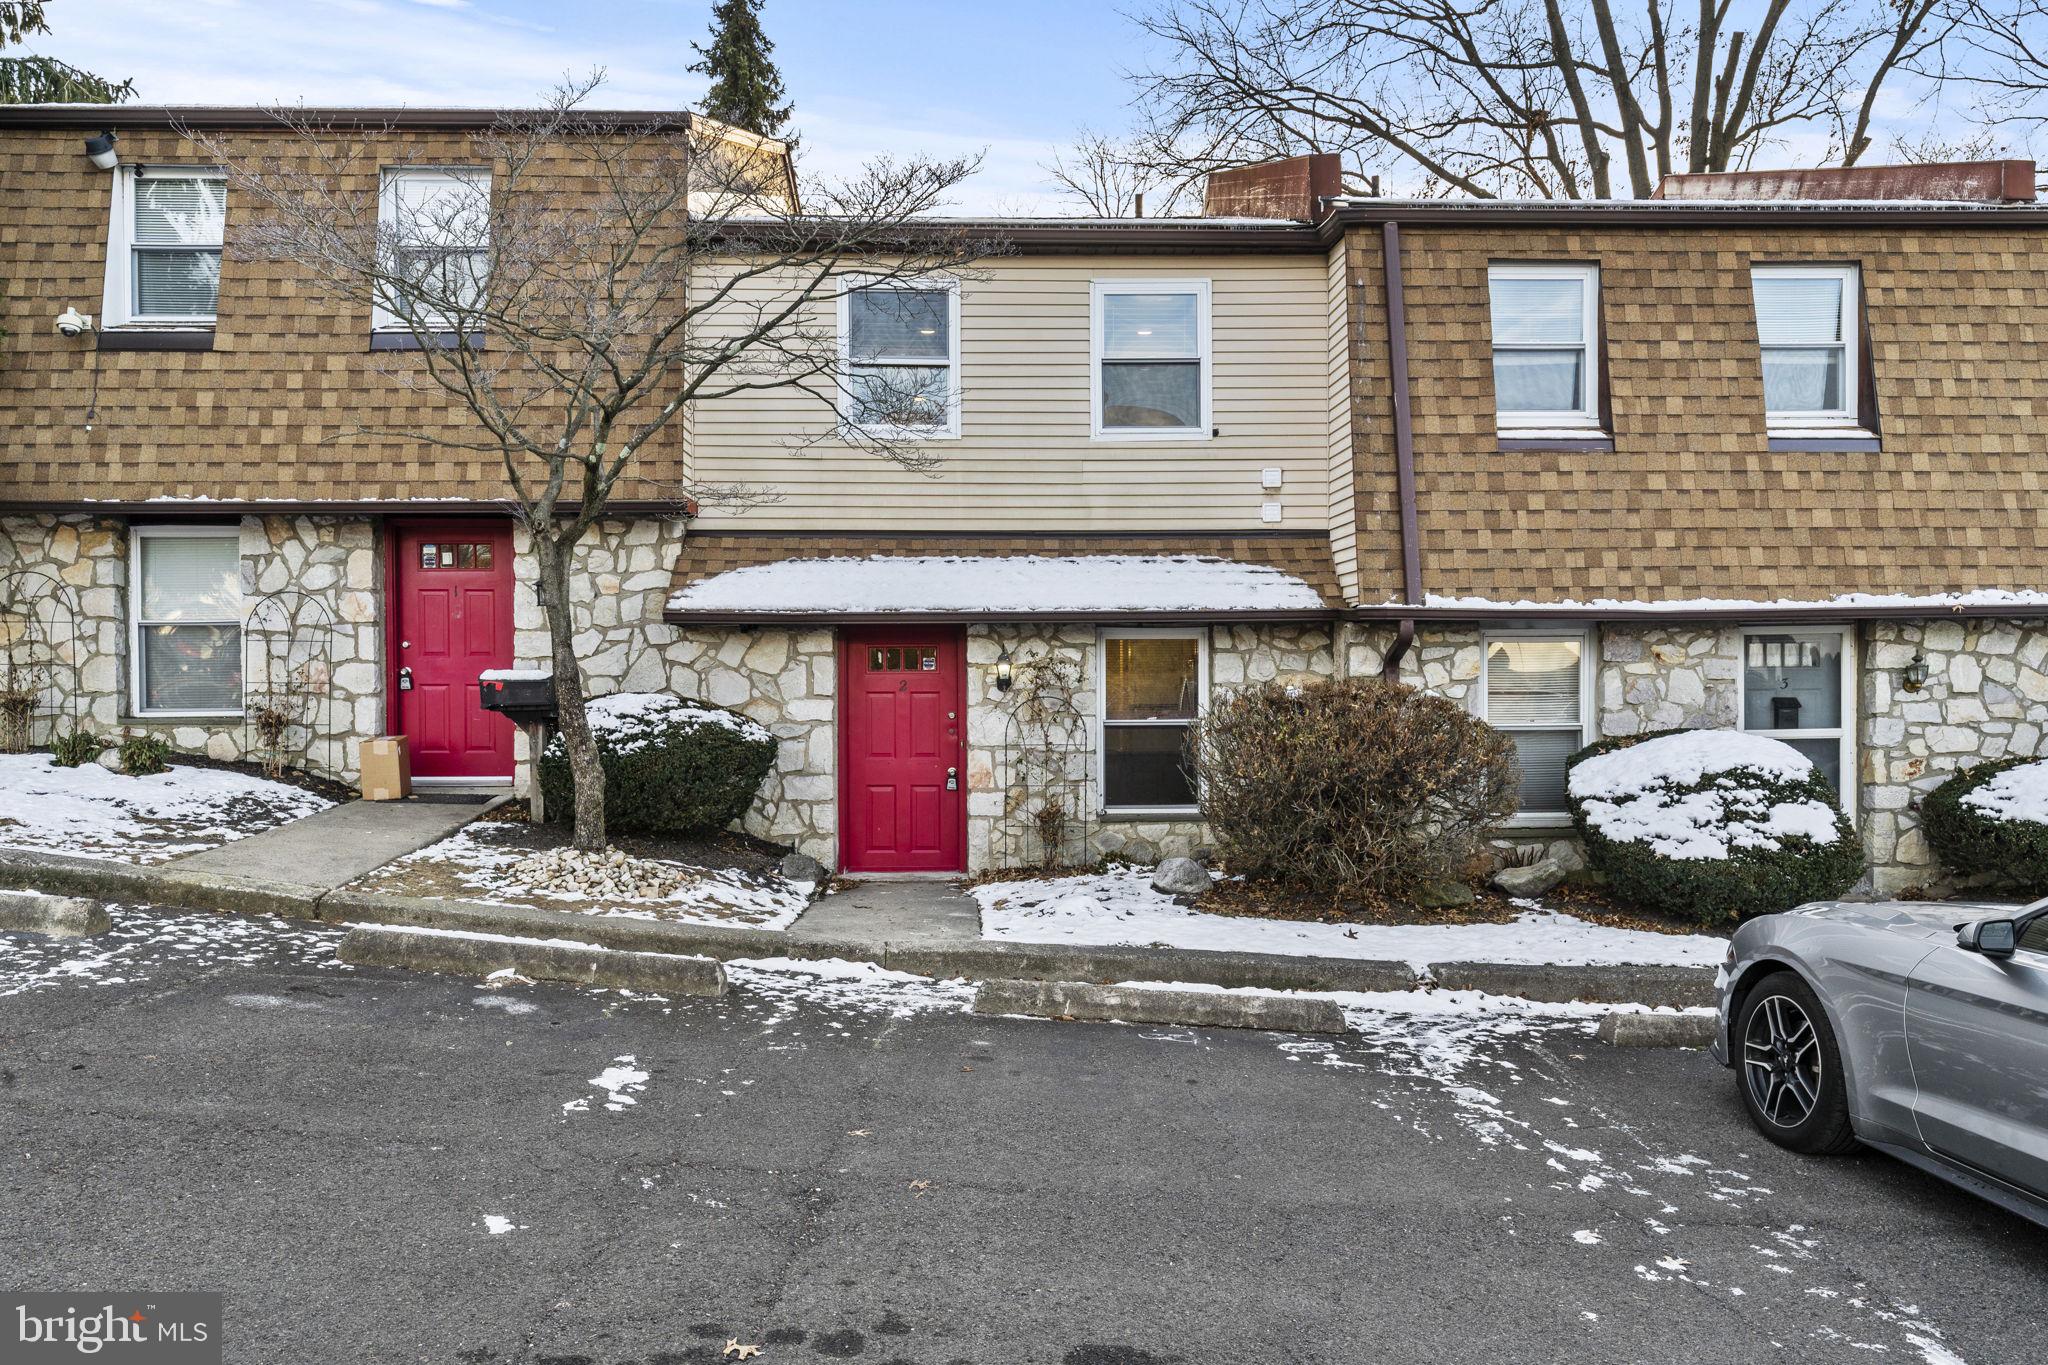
1404 446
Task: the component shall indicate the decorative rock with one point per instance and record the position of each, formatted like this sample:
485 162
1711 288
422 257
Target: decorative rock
801 867
1181 877
110 759
1537 879
1444 895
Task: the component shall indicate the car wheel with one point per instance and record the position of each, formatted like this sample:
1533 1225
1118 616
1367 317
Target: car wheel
1790 1069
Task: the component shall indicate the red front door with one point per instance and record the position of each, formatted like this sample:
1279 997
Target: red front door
903 770
453 620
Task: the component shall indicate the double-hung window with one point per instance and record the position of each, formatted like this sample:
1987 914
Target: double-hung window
163 258
1534 690
1151 358
1806 326
435 232
900 345
185 605
1545 362
1797 687
1152 686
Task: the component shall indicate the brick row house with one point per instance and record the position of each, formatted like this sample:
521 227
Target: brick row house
1770 462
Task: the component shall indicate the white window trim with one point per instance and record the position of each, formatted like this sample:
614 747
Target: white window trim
1588 666
1102 724
1097 291
387 217
136 624
1851 344
1587 275
1845 735
117 308
948 430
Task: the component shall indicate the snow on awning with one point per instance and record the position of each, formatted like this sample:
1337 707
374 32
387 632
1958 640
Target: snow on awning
998 587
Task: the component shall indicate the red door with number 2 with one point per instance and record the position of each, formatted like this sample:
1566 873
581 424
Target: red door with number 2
902 783
454 620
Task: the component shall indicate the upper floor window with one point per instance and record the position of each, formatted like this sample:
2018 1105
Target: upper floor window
1806 325
1151 358
163 258
436 225
900 341
1545 365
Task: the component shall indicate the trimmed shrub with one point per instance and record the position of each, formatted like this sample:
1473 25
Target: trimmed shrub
1711 825
1992 821
671 766
80 746
1354 785
145 755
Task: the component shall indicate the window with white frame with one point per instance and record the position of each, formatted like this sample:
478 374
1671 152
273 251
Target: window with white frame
1152 687
900 344
1534 691
1806 326
163 252
435 226
1796 686
185 604
1545 362
1150 347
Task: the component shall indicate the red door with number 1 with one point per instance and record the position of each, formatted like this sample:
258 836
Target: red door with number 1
903 783
453 621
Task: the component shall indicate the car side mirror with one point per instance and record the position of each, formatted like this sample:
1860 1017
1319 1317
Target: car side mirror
1991 937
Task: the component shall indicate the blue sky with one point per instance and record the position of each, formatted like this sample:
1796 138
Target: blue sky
867 76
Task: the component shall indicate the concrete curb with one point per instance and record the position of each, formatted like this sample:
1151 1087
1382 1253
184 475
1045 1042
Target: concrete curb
58 916
554 960
977 959
1628 1029
1143 1005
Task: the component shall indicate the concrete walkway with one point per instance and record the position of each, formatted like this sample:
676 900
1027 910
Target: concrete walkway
340 844
919 911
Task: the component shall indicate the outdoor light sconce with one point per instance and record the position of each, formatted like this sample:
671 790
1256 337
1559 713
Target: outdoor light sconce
1913 676
1003 673
100 149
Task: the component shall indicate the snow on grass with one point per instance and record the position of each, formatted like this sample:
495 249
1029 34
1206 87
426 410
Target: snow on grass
1120 907
997 583
484 859
144 945
91 813
2018 794
1640 794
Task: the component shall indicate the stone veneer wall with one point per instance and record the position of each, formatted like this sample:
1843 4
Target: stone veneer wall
786 679
1666 678
331 559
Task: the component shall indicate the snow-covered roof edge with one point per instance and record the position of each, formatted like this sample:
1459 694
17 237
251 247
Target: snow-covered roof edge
1976 602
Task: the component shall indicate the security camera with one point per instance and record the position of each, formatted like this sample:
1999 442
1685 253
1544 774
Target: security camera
71 323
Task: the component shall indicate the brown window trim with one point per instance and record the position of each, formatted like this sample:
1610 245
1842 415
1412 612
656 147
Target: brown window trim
140 339
1591 441
1847 444
406 341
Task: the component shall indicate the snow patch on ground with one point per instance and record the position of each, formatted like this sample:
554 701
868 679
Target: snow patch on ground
143 944
1120 908
2018 794
497 1224
1637 795
89 812
836 983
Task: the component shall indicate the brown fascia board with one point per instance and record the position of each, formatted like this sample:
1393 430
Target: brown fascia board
1035 237
255 507
687 617
1650 615
117 117
1678 213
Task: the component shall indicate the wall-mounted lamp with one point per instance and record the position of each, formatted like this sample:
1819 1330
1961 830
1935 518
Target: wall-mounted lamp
100 149
1913 676
1003 673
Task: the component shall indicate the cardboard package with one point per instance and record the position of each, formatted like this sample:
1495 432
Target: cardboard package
387 769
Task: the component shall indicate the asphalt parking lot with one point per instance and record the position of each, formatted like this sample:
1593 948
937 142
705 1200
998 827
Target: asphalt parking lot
381 1167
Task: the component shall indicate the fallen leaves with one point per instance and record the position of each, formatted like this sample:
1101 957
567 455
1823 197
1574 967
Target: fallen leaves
734 1347
859 1132
918 1188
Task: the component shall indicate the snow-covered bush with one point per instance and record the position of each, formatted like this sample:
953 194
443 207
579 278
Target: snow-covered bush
1993 819
1351 784
1712 825
671 766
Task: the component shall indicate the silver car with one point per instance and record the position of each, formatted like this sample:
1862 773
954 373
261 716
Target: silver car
1919 1029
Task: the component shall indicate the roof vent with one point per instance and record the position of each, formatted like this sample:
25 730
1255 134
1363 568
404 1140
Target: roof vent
1974 182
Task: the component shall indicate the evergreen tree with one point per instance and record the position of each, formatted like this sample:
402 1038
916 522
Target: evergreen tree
45 80
745 86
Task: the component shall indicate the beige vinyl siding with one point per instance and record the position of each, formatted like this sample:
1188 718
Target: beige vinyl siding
1337 360
1024 459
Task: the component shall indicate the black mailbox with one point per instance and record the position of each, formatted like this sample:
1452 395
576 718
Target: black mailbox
525 699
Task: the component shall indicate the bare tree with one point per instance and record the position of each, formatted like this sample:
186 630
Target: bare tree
1117 178
2003 61
575 300
1529 98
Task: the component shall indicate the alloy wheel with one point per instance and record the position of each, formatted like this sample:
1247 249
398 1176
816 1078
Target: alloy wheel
1781 1061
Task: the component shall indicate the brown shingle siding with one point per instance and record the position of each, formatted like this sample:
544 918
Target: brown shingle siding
1691 501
